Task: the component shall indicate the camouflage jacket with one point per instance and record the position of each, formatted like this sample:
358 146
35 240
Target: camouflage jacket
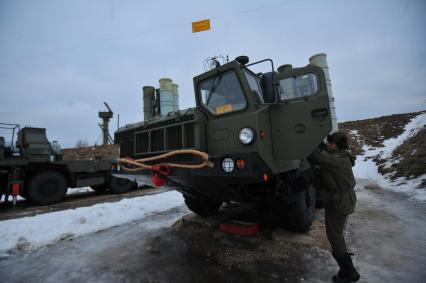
332 170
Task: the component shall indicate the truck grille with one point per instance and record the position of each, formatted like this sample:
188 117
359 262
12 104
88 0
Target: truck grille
174 137
189 135
142 142
153 138
125 139
164 139
157 141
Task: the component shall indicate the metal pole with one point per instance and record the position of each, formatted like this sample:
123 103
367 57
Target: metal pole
106 131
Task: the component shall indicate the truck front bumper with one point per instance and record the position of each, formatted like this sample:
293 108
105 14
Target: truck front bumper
213 182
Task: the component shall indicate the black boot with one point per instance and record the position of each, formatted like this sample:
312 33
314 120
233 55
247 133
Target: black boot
347 272
339 263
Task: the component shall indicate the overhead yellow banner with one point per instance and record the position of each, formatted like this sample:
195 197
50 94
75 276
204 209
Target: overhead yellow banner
201 25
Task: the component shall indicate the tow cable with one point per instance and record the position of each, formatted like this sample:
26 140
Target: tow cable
162 170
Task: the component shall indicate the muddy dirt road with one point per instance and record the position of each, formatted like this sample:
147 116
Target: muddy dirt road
386 233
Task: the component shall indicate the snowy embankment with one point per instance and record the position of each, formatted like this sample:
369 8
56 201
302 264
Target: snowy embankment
40 230
366 167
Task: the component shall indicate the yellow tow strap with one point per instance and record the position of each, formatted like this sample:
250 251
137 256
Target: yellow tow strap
140 163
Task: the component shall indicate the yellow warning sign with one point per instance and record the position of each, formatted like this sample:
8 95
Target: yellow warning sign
224 109
201 25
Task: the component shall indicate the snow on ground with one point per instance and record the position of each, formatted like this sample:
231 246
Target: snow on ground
70 191
79 190
355 133
366 168
37 231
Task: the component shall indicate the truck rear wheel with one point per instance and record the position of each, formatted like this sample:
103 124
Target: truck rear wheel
121 185
47 188
202 207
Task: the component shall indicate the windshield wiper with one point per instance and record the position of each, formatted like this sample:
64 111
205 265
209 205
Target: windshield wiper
213 87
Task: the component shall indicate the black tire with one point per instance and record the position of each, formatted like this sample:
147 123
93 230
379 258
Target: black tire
303 212
99 188
202 207
296 210
47 187
121 185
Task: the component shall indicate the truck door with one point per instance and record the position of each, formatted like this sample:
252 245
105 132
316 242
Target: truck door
301 119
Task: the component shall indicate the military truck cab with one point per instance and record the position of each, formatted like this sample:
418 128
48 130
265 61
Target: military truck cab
258 129
280 116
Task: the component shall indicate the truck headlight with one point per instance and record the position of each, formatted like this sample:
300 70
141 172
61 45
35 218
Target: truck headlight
246 135
228 165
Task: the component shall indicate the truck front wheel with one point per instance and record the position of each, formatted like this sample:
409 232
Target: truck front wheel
301 211
202 207
47 188
296 209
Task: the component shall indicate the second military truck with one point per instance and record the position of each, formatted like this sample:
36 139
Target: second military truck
33 168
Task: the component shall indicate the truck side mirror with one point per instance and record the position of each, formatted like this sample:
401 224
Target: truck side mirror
269 84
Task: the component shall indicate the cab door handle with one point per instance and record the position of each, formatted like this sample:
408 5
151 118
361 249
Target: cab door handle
319 115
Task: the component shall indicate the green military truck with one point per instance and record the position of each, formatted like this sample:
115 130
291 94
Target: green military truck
34 169
257 128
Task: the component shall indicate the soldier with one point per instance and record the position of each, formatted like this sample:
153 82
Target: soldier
332 171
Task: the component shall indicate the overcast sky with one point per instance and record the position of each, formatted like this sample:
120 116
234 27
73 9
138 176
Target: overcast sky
60 60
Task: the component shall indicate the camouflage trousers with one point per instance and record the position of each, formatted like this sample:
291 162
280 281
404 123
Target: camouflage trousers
337 209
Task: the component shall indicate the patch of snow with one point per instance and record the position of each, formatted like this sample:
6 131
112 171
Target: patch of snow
3 198
366 168
354 133
70 191
79 190
410 130
37 231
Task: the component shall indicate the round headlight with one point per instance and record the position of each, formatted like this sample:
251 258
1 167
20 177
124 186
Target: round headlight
246 135
228 165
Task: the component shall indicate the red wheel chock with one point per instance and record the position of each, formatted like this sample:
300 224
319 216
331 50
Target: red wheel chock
160 171
239 228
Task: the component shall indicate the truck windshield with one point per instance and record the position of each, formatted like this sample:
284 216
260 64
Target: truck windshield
222 93
254 83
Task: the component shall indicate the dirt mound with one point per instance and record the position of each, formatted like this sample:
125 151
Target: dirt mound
373 132
108 152
409 157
